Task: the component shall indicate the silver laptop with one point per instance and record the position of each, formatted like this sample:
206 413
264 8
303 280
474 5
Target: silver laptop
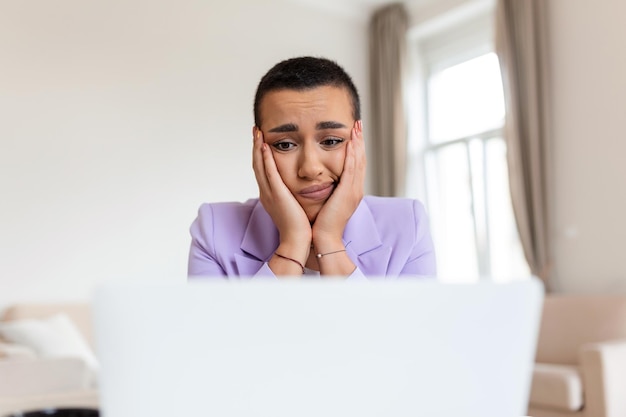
317 348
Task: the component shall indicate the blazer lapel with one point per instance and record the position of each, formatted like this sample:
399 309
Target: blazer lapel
259 242
247 266
364 244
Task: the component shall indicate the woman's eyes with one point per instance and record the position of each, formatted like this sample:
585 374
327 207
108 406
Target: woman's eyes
331 142
284 146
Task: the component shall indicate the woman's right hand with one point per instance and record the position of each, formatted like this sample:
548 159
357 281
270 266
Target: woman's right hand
286 213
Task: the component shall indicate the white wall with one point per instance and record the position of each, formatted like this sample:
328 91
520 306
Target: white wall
588 91
118 118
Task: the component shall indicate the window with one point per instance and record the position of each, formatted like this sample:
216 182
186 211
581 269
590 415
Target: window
462 154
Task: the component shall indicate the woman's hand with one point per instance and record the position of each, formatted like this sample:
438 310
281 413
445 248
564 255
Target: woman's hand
286 213
331 221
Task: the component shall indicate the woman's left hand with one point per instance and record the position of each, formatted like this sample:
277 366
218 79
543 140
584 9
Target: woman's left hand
332 219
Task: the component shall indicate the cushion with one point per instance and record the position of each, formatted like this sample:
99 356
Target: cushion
78 313
556 386
55 336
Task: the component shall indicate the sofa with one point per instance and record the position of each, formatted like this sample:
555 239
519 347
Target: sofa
580 368
46 358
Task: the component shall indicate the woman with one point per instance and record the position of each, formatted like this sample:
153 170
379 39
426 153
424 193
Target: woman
311 217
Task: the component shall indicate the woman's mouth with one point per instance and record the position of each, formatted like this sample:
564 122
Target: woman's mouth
318 192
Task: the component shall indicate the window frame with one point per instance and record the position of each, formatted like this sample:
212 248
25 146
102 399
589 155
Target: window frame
435 47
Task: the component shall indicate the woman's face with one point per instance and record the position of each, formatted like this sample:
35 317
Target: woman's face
307 132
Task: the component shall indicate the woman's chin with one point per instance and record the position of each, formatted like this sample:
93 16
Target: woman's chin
312 208
312 212
312 216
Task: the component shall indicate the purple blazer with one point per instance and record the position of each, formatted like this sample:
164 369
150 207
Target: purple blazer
384 237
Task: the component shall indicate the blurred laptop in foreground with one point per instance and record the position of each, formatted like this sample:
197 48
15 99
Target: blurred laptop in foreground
317 348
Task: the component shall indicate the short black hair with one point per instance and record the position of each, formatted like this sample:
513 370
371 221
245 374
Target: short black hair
304 73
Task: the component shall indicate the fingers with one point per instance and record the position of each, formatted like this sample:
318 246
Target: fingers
332 219
273 178
258 164
290 219
265 169
359 152
354 164
349 163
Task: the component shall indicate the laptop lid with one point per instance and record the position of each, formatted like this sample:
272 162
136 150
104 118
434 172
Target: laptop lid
317 348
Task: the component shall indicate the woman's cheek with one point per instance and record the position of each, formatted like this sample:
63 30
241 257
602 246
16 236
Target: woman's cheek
280 163
339 162
285 167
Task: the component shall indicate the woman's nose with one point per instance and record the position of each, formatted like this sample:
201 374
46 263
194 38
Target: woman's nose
310 165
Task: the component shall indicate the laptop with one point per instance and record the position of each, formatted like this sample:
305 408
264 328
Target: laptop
312 348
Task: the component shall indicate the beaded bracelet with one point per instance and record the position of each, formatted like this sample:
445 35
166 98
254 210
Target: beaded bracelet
290 259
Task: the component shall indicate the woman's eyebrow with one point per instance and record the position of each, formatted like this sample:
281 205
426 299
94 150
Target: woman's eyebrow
330 125
291 127
287 127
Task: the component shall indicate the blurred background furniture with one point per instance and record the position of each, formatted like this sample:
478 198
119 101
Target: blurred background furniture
37 377
581 358
580 366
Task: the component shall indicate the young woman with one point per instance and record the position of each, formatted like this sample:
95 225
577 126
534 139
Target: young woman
311 217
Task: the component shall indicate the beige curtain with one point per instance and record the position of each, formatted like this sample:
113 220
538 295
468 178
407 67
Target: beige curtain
521 48
387 35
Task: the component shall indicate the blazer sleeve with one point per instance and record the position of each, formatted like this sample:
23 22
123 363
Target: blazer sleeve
203 259
422 260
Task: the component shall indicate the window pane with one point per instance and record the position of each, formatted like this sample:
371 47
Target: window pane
450 208
465 99
479 192
507 257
